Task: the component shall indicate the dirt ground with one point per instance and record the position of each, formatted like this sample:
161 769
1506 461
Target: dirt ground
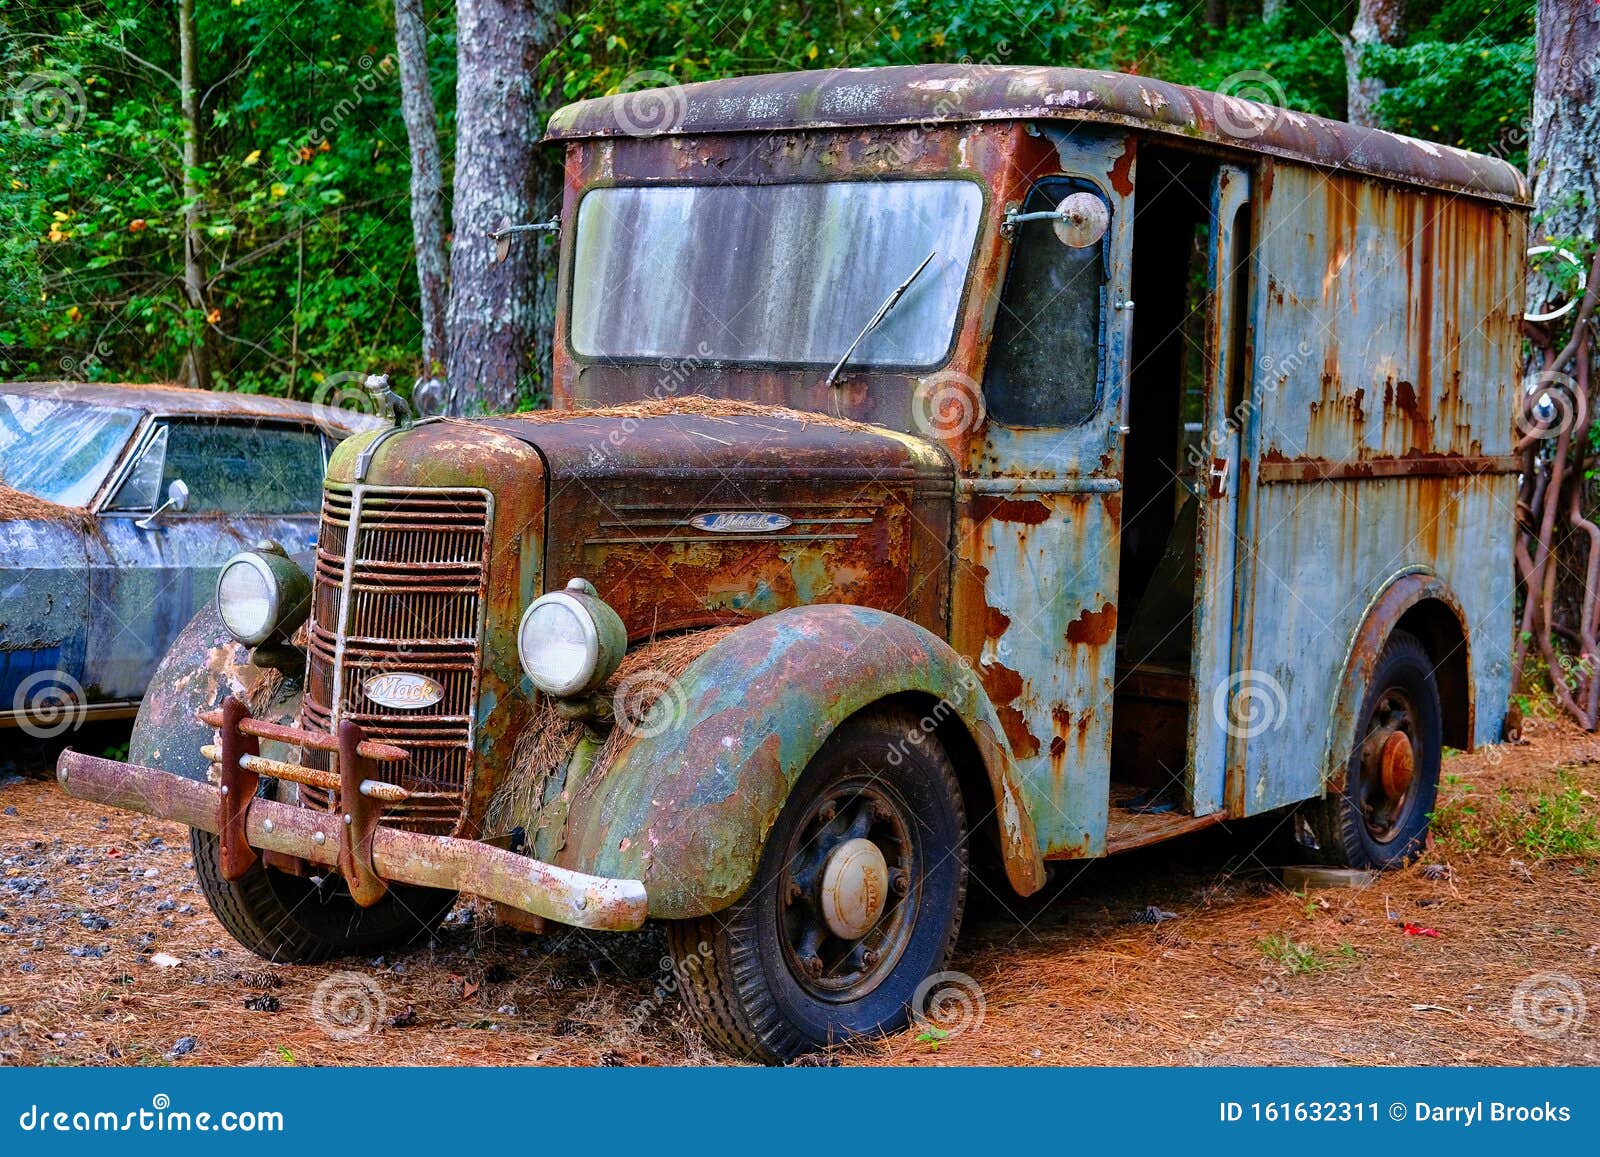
108 955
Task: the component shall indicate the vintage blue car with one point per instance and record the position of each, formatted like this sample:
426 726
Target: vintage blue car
118 506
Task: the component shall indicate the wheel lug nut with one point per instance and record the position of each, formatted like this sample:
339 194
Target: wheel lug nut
827 812
869 958
792 893
901 883
812 965
881 812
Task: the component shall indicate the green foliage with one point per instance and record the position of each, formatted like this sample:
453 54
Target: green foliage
1300 958
304 174
1557 822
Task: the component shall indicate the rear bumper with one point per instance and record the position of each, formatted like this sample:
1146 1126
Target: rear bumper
356 845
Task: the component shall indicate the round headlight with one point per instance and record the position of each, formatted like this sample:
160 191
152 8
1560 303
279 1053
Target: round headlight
260 594
570 641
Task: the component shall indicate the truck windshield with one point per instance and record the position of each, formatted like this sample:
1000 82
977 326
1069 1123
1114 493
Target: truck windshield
771 274
59 450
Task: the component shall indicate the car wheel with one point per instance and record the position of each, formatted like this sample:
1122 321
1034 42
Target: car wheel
857 899
1380 818
301 920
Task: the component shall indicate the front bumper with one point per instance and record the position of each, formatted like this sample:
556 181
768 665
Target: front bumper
369 856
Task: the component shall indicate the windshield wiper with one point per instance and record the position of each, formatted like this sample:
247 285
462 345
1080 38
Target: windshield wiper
877 319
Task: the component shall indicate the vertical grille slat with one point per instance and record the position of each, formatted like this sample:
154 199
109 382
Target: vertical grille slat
414 603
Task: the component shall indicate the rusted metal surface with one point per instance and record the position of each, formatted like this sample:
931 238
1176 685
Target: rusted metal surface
236 789
164 399
688 810
1414 466
457 865
941 94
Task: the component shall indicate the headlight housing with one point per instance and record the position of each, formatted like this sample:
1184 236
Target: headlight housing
262 594
570 641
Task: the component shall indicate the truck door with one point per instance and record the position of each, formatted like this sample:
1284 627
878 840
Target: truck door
1035 594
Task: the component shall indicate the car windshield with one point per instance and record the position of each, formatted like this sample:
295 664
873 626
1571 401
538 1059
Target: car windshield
60 450
771 274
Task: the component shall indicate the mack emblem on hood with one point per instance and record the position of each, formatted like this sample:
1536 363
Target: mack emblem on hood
403 690
741 522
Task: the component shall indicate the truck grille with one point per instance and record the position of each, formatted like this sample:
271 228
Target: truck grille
399 587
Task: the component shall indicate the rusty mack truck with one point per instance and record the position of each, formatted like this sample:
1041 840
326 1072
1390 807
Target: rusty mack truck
951 468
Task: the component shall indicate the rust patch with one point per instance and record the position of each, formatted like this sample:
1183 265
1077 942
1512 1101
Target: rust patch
1122 171
995 622
1023 743
1002 683
1093 628
1029 511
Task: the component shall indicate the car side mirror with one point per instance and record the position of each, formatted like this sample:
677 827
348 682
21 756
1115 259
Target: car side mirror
1078 222
177 500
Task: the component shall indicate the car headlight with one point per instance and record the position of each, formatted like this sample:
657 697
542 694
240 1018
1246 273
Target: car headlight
262 594
570 641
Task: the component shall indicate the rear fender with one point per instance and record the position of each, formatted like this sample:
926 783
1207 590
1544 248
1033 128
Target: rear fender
687 803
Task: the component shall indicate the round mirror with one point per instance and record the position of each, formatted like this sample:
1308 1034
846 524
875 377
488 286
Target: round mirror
1083 220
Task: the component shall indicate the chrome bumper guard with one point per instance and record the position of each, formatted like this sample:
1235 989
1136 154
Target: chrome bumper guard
368 855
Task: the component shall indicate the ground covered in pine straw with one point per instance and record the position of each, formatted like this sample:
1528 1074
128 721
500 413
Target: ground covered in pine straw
108 955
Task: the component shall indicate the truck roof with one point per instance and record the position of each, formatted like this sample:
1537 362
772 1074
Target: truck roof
927 95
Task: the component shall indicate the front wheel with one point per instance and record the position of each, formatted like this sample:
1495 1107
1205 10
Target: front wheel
857 899
302 920
1380 818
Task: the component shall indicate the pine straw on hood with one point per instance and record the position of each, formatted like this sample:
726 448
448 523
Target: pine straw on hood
645 675
19 506
702 406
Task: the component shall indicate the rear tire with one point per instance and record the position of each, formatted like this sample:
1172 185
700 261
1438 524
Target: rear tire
771 978
299 920
1380 818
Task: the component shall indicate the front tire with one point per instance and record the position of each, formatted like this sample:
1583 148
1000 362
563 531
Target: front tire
858 898
298 920
1380 818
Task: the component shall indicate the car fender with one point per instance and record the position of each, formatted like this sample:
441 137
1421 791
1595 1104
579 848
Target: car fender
1400 594
688 800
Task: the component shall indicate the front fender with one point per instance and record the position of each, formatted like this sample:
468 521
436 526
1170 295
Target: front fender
688 810
204 665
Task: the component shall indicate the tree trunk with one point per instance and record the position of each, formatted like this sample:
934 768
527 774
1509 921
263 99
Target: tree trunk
427 180
1564 155
492 313
1377 22
1271 10
1217 13
197 365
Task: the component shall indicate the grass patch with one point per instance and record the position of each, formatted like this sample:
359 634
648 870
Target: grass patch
1557 822
1301 958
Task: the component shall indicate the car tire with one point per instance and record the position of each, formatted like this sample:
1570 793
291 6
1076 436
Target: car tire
302 920
1379 818
769 978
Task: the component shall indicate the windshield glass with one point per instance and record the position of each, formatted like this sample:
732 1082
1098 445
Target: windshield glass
60 451
772 274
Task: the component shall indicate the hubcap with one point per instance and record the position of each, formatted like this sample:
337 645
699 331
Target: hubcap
1388 764
855 888
848 898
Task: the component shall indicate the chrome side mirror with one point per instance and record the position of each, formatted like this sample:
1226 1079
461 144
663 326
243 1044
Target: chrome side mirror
177 500
1079 221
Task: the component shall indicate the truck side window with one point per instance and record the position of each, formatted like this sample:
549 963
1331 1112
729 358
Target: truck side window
1044 362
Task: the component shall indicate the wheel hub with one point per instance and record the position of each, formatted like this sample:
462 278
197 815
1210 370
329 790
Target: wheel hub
1398 763
855 888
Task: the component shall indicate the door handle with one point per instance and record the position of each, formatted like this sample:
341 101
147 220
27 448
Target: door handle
1218 476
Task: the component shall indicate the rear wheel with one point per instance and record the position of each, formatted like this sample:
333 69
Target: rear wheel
1380 818
302 920
857 899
